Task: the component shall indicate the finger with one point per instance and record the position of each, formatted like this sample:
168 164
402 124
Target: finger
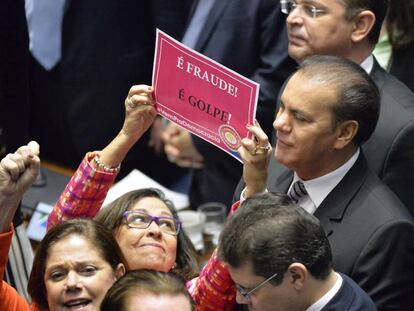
172 152
34 166
174 130
188 162
177 141
139 100
142 90
244 154
28 176
141 113
139 95
259 134
34 147
14 165
29 150
23 151
166 136
264 149
184 162
249 145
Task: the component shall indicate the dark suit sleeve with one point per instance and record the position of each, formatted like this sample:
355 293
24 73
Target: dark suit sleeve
398 171
390 255
275 65
238 191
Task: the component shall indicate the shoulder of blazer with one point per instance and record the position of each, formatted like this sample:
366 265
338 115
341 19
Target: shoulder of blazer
337 201
392 87
213 18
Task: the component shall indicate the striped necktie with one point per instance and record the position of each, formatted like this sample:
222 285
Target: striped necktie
297 191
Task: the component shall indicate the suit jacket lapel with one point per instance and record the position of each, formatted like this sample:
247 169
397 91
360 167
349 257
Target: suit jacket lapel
211 22
377 74
335 204
280 177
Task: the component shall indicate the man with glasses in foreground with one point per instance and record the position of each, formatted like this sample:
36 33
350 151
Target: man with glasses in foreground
280 259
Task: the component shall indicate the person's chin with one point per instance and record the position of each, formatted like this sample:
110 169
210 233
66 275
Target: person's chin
153 261
282 157
157 265
298 53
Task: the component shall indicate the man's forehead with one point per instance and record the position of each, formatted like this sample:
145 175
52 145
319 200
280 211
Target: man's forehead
301 81
321 2
327 4
244 270
301 84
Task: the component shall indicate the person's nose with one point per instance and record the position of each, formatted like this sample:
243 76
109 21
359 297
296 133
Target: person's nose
154 229
72 280
281 122
295 17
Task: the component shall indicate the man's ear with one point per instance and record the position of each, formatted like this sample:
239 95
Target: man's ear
298 275
363 23
345 133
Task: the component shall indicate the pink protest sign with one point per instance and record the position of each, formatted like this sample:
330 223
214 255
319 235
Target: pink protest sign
204 97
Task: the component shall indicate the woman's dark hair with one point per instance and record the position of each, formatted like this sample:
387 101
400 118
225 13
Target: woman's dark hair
94 232
112 218
400 23
143 282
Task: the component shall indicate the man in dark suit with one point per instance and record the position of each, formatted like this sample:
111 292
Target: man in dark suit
280 259
107 46
351 29
248 37
329 108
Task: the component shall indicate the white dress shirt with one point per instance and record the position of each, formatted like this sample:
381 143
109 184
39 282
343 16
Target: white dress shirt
323 301
368 64
319 188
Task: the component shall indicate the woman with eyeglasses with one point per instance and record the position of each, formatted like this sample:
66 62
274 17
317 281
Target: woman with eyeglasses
76 262
145 225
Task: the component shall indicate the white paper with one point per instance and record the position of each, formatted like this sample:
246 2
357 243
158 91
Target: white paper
138 180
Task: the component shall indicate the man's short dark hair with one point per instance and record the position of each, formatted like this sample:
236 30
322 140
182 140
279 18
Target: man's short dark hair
378 7
271 233
358 95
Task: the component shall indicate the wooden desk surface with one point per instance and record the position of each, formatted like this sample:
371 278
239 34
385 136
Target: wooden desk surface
58 168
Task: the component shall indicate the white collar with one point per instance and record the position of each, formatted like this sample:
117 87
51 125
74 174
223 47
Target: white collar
319 188
324 300
368 64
